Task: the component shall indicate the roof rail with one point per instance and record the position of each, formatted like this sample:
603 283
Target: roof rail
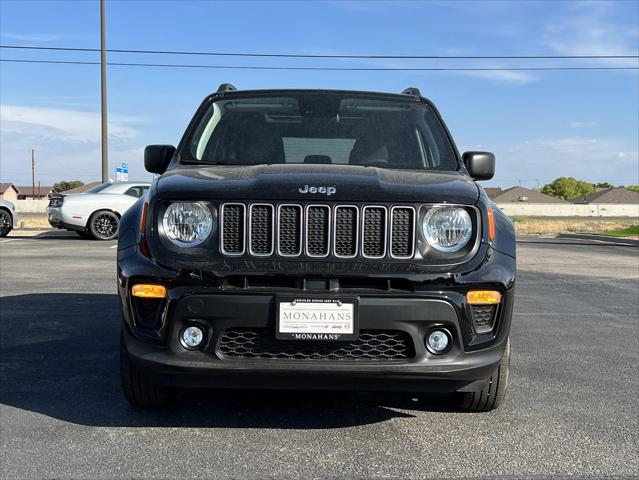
226 87
414 91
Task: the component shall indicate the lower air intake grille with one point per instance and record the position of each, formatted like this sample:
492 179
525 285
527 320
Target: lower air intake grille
483 316
260 343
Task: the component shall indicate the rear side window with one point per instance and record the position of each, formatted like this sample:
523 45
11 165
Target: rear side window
137 191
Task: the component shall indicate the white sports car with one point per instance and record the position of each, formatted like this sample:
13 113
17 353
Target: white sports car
95 213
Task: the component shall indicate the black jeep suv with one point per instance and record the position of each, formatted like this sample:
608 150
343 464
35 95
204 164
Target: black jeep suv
316 239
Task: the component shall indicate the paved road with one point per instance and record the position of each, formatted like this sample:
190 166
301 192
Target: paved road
571 410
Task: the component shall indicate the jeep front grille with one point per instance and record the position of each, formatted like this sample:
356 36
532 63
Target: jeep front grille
290 230
317 231
374 236
233 228
318 219
261 229
402 232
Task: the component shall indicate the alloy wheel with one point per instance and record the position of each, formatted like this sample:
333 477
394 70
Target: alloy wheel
105 225
5 223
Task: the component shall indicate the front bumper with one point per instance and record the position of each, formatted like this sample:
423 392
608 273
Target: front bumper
151 335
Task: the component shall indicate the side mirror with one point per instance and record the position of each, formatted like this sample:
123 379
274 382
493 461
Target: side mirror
480 165
158 157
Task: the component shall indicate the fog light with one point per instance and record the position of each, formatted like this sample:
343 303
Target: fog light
192 337
438 341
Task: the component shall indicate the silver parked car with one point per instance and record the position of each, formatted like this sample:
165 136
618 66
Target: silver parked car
95 213
8 217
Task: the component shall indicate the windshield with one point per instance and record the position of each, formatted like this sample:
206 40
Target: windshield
320 128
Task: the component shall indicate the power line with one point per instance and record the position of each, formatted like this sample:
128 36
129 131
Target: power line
309 55
349 69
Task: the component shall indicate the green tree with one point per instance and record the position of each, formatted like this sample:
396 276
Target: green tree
603 185
634 188
67 185
567 188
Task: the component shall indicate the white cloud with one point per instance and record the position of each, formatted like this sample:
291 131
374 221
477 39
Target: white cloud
67 143
542 160
587 29
515 77
586 124
69 125
33 37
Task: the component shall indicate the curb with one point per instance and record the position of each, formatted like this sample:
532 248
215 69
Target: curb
600 238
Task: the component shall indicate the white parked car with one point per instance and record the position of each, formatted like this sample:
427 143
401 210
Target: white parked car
8 217
95 213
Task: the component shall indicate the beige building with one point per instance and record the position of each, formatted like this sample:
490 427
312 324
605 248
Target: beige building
8 191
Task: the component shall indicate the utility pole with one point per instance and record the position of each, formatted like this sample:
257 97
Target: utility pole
32 171
105 137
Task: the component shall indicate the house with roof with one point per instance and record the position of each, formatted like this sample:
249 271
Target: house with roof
609 196
8 191
40 192
524 195
492 191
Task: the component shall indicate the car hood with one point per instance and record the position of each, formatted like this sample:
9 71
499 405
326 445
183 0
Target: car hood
316 183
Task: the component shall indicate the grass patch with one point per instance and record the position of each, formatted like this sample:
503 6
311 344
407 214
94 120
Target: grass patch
518 218
626 232
553 226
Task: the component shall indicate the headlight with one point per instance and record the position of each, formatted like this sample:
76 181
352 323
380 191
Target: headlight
447 229
187 224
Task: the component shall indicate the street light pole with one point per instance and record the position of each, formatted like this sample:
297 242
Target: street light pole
105 137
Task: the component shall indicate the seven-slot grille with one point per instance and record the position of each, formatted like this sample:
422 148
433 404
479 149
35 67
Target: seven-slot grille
292 230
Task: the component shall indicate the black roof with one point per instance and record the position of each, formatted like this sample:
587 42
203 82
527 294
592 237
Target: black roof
410 93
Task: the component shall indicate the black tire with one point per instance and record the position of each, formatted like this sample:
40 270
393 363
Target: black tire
104 225
494 394
138 390
85 235
6 223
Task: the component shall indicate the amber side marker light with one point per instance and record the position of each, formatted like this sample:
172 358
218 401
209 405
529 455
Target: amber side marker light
143 290
491 224
483 297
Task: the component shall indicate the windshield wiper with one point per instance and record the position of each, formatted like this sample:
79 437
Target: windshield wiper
202 162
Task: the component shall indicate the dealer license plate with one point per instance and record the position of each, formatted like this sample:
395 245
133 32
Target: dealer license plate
317 319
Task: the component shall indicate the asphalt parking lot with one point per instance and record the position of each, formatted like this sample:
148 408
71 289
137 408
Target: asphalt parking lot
572 408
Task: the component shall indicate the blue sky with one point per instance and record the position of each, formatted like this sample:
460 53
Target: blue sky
541 125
